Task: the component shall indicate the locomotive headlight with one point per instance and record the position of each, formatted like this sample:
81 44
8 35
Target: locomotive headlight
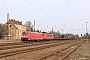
26 36
22 36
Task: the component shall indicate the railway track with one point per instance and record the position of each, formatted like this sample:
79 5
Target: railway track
62 53
70 51
12 52
82 53
17 45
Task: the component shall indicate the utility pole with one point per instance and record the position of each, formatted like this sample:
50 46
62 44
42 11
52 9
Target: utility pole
62 31
34 25
86 28
86 31
8 32
52 30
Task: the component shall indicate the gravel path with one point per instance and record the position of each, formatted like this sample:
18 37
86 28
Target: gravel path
82 53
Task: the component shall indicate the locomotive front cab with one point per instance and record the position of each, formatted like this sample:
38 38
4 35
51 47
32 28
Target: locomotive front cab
24 36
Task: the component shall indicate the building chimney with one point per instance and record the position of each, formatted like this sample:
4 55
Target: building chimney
20 23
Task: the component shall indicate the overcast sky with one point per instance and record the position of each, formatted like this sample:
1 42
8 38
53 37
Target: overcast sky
69 15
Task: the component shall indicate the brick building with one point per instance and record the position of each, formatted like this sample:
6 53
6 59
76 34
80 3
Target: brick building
13 29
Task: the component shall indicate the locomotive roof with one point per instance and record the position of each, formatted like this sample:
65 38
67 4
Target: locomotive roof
43 32
35 32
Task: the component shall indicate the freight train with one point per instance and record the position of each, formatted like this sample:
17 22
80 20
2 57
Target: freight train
35 36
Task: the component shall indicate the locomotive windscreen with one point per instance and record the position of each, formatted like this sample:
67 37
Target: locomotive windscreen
25 33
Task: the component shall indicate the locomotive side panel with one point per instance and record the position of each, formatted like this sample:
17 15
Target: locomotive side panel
35 36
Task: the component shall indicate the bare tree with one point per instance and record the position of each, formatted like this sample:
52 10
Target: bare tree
29 26
56 34
86 36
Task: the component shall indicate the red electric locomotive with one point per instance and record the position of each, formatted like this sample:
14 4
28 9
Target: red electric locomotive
35 36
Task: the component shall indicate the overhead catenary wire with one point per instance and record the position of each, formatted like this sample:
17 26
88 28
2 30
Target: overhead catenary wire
40 9
2 16
13 12
50 9
24 7
43 11
71 9
28 10
55 13
16 11
73 13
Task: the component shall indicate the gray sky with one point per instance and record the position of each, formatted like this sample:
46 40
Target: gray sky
69 15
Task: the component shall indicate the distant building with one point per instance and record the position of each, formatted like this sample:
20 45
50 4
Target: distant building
13 29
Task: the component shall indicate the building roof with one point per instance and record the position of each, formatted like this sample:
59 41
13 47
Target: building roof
12 21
